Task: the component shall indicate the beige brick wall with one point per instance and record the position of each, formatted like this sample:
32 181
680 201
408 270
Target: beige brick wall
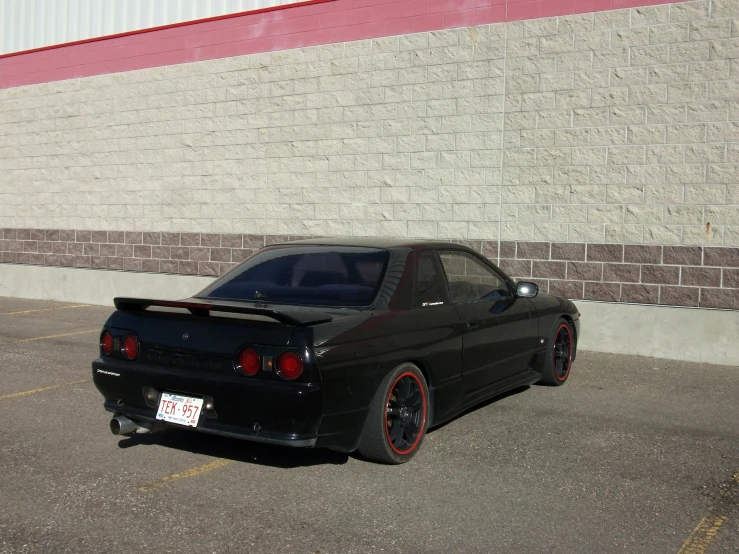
622 127
619 126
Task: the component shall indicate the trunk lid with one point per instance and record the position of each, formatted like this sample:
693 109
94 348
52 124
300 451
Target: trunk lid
193 331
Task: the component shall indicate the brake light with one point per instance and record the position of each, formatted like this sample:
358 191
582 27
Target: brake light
106 343
130 348
289 365
248 362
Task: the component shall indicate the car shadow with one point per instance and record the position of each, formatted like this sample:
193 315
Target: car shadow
234 449
480 406
264 454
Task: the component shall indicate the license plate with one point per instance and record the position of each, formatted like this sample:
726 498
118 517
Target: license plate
183 410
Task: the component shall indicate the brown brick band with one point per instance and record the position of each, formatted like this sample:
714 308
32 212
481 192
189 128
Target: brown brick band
672 275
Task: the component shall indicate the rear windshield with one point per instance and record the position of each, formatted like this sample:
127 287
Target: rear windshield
306 275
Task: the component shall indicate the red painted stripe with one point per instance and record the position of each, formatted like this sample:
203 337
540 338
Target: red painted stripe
310 23
202 22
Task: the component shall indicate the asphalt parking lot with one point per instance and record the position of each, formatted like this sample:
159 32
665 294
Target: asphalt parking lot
632 455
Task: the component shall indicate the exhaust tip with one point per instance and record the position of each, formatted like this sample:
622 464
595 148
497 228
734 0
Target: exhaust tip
121 425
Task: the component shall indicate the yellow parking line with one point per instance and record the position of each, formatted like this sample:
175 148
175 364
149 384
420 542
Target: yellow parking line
706 530
34 391
187 474
701 537
47 309
57 336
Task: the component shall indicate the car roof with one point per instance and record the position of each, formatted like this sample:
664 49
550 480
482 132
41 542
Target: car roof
374 242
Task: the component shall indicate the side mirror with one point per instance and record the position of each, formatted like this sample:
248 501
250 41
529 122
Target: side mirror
525 289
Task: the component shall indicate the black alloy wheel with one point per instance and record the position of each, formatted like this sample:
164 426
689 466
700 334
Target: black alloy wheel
406 413
558 356
562 354
398 417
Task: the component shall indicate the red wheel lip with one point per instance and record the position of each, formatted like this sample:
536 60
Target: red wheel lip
569 359
423 421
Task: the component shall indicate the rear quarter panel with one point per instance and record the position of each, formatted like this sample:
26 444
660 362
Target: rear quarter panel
353 360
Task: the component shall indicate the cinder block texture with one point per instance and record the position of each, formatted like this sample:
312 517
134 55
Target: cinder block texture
628 126
646 274
615 128
619 126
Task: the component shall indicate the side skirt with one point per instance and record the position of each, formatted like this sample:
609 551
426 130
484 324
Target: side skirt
524 379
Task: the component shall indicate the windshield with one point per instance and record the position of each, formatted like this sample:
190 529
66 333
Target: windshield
306 275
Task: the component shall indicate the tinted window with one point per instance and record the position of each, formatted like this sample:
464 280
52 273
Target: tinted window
470 279
306 275
430 285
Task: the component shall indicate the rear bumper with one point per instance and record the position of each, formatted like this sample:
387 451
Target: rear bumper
211 428
272 412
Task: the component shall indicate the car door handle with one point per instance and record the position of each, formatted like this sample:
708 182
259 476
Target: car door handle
472 324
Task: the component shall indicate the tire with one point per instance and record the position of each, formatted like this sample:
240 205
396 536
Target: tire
379 441
559 354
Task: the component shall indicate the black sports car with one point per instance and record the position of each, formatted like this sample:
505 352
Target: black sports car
347 344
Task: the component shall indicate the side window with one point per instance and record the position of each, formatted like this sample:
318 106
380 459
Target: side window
470 279
430 285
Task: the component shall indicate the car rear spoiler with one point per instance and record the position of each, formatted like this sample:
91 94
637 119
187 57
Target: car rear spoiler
290 315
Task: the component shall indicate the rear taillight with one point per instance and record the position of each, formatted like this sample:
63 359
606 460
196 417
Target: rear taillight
130 347
289 365
248 362
106 343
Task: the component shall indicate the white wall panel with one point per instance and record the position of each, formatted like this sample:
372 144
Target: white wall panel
27 24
